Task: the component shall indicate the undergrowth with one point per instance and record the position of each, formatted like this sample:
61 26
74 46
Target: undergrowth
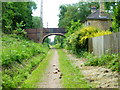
72 77
35 78
20 56
16 49
109 60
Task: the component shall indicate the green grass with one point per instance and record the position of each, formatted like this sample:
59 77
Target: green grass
58 46
19 56
72 77
16 49
17 73
35 78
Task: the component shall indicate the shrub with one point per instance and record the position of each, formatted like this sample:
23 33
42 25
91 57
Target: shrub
18 49
89 32
77 41
17 59
109 61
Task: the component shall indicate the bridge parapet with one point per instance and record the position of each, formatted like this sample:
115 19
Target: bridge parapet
39 34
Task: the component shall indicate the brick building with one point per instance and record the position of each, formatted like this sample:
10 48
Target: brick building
99 18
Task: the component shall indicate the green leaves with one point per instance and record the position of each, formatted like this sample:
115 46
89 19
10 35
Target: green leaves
16 12
74 12
18 30
18 50
18 59
109 61
37 23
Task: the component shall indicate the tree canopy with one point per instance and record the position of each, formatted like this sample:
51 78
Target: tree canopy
74 12
114 8
36 22
16 12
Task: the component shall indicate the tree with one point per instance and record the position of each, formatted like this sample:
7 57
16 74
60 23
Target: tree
115 11
47 40
36 22
116 18
16 12
59 40
74 12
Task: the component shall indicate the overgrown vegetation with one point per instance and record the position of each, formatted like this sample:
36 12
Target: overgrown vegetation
74 12
109 61
77 36
18 59
35 78
16 12
15 48
71 75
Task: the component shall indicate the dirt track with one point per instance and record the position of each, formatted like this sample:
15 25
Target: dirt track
51 78
101 77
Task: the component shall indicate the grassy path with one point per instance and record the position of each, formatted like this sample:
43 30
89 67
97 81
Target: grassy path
72 77
46 76
36 76
51 77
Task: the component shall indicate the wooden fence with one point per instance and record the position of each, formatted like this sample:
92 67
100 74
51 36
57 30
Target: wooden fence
104 44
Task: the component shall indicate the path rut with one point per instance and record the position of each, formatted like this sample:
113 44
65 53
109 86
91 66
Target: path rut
51 78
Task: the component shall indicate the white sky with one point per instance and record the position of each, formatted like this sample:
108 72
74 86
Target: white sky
51 12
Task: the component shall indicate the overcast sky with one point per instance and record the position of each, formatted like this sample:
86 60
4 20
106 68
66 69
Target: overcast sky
51 11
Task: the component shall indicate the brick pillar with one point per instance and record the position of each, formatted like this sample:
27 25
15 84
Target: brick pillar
41 35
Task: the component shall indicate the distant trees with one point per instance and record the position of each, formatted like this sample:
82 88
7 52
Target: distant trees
47 40
59 40
114 8
36 22
16 12
74 12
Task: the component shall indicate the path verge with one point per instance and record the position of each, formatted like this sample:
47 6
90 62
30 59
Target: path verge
51 77
100 77
35 78
71 75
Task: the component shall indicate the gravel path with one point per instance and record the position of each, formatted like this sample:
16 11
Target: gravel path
51 78
99 76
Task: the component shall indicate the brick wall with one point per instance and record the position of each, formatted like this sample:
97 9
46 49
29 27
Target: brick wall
100 24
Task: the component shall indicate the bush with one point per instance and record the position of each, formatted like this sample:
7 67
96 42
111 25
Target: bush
89 32
77 41
109 61
16 49
17 59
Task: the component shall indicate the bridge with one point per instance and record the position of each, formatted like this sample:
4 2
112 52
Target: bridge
39 35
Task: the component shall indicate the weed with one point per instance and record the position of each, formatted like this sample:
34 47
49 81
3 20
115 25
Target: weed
72 77
109 61
19 57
